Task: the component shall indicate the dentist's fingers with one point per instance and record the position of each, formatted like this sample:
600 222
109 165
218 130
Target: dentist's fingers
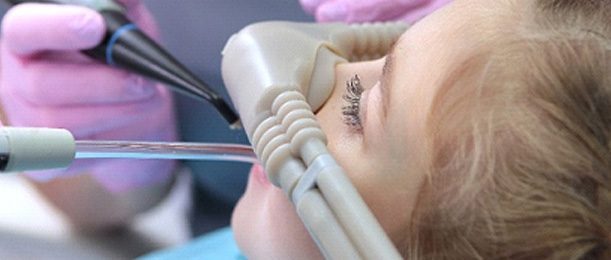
55 27
138 13
88 121
365 11
46 82
310 6
54 83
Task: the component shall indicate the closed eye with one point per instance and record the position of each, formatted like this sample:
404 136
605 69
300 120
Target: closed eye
351 111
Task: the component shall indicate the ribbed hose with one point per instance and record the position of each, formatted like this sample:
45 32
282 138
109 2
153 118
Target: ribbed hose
291 125
289 142
374 40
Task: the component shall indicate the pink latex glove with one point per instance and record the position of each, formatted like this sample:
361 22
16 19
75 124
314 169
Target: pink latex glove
46 82
370 10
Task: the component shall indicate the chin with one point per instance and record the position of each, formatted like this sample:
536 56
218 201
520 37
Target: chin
266 226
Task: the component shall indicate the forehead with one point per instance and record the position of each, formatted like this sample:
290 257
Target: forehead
462 28
475 16
432 49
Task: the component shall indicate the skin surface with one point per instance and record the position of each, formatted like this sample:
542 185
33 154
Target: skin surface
386 161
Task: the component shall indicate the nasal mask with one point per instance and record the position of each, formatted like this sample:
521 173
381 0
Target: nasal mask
277 74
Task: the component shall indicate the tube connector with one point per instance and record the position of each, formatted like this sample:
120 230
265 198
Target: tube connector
26 149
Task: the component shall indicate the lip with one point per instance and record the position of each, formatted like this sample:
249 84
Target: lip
258 173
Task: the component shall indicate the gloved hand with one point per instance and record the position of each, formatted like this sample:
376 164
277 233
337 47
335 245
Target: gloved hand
46 82
370 10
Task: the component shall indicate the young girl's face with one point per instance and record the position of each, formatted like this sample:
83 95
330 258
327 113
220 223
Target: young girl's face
384 156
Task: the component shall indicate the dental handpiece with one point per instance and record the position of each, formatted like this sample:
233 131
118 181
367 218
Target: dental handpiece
28 149
128 47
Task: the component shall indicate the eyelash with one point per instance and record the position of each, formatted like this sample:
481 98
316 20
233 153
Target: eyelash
351 111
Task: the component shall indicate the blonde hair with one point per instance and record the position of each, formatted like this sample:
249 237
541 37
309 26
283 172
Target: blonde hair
520 140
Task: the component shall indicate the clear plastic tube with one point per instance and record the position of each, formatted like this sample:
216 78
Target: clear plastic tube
164 150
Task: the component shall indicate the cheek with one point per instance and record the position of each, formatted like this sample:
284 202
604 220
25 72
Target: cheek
381 187
369 173
367 166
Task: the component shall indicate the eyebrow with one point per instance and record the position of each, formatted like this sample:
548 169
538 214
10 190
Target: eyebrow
387 72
